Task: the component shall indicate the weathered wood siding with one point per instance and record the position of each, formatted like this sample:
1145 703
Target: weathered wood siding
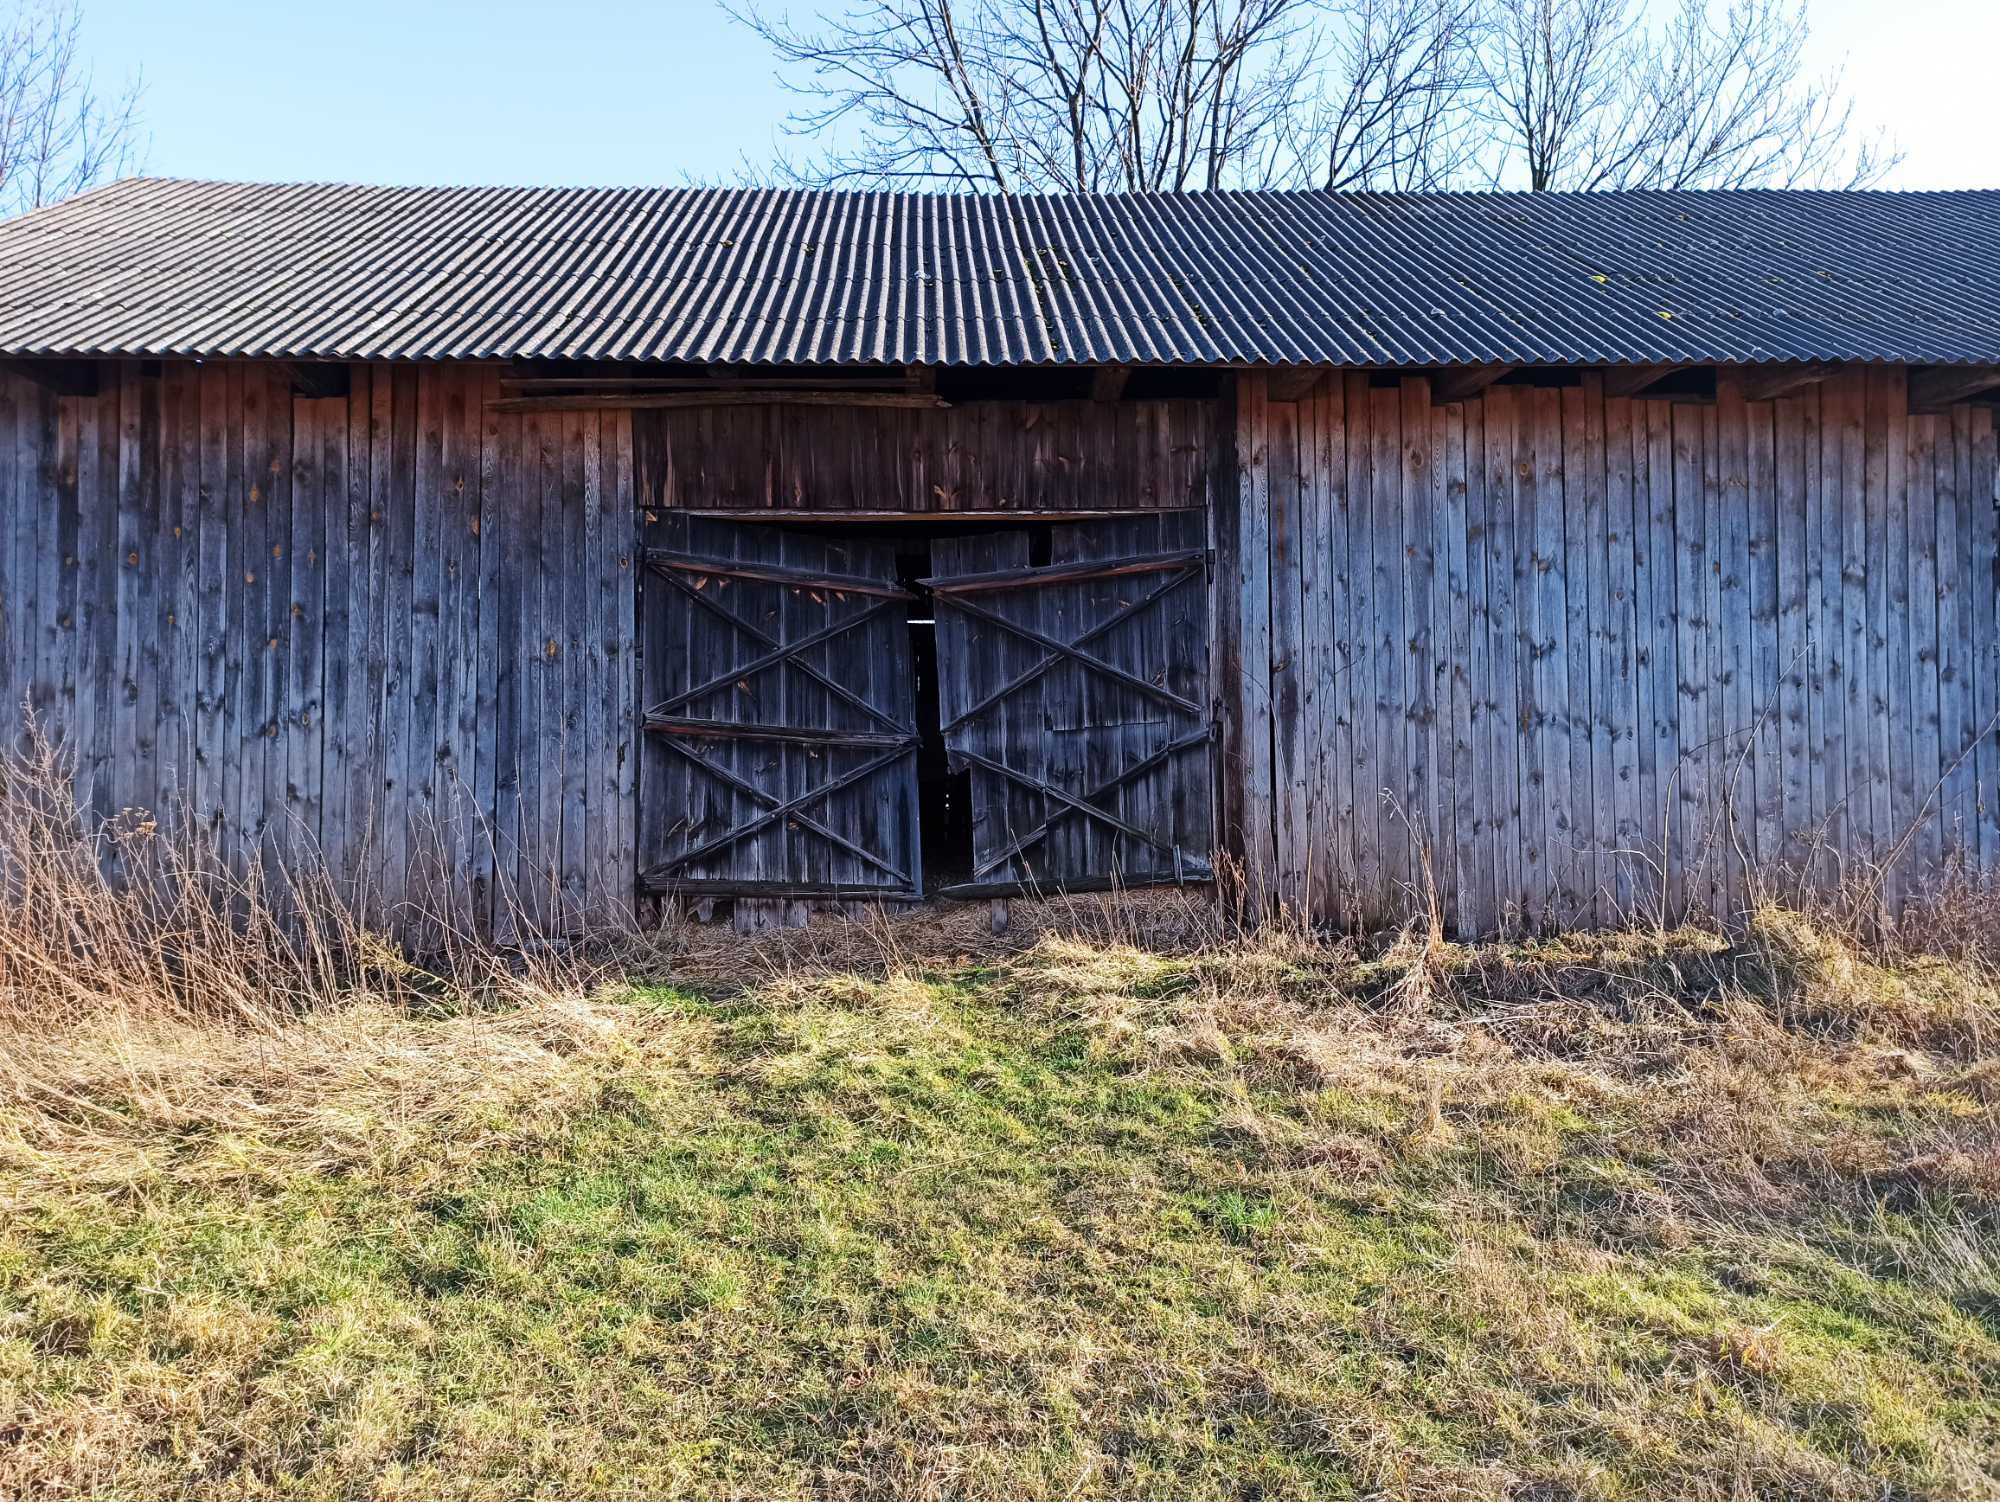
977 456
1576 656
391 626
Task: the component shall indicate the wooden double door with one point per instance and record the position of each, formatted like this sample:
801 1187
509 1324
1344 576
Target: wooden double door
781 706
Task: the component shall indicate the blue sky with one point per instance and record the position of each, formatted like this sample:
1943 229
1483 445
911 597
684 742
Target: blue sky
594 92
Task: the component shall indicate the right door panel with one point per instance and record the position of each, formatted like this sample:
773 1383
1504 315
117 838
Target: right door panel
1076 693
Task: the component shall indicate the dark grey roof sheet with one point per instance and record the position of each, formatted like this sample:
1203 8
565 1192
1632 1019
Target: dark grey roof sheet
152 266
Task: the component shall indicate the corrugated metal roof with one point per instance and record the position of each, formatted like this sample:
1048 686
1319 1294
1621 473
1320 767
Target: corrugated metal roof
158 267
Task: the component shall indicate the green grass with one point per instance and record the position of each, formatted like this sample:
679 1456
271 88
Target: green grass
1084 1223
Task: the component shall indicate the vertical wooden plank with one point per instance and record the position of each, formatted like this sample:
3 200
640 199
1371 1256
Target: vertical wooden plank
1958 728
1827 685
131 732
392 498
1618 709
323 597
551 747
1395 819
61 576
1903 787
429 885
1873 647
1551 649
1654 653
1333 624
1695 680
183 434
99 568
1797 538
580 478
1422 793
508 515
1767 664
1736 838
363 730
611 604
1289 751
1924 824
1985 574
52 497
1253 600
485 503
294 818
224 598
18 511
1592 675
1463 583
268 449
1506 703
535 494
1363 656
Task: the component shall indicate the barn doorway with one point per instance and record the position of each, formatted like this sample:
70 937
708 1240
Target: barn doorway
904 710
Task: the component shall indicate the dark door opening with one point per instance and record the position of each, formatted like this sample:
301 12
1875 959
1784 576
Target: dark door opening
944 797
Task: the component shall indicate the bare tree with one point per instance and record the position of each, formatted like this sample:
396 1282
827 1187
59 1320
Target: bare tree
1585 94
1138 95
58 134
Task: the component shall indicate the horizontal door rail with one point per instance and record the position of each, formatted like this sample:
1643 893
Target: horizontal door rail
973 891
1063 573
722 730
655 884
661 560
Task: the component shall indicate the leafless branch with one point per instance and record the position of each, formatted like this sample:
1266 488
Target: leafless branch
58 134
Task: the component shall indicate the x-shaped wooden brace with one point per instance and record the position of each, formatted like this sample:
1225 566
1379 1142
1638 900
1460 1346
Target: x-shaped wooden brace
786 653
790 809
1055 651
1071 804
1166 585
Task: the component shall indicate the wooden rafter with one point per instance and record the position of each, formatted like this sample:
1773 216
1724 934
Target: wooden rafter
63 377
1764 383
317 378
1936 387
1465 382
1107 382
1632 380
1294 383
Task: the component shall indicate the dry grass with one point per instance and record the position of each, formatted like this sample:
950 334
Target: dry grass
1125 1203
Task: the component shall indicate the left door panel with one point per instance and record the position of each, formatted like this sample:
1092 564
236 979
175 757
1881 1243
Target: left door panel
778 703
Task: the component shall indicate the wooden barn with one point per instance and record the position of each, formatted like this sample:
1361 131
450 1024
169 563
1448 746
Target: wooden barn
533 557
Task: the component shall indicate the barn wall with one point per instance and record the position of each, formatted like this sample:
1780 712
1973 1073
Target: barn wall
1564 643
978 456
390 625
